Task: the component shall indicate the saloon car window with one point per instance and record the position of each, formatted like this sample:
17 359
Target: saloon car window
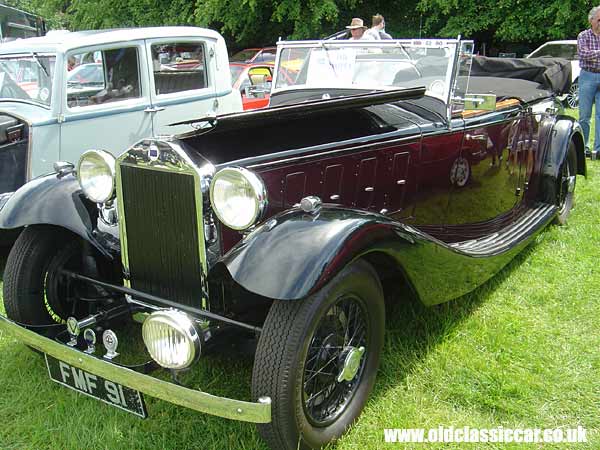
102 77
27 78
178 67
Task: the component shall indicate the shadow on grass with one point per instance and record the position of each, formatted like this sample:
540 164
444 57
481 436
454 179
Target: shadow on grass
413 330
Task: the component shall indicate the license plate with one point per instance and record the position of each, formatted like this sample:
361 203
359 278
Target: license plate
97 387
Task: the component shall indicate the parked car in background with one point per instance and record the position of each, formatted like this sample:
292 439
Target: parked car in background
17 24
568 50
255 55
90 74
61 93
371 171
254 83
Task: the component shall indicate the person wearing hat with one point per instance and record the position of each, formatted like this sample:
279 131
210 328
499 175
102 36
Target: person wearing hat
357 29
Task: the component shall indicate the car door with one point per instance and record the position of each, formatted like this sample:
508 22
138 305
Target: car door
485 179
440 150
255 86
181 84
104 102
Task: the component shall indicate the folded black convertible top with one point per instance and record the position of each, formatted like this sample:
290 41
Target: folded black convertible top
553 74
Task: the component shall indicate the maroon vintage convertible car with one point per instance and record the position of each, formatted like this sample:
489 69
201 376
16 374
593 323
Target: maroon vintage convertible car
377 165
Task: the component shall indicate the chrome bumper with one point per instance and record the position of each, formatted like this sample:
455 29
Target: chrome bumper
197 400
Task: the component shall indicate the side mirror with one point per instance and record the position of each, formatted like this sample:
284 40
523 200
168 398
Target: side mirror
484 102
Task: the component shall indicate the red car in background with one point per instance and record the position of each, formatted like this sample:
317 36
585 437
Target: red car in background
255 55
254 83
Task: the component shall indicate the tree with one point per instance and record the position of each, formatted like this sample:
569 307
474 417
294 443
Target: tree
506 20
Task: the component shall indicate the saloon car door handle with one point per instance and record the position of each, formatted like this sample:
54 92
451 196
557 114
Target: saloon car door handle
153 109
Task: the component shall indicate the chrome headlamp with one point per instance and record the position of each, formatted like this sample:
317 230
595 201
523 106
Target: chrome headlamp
172 339
238 197
96 175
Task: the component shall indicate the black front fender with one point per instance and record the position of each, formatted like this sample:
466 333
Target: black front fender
53 200
293 254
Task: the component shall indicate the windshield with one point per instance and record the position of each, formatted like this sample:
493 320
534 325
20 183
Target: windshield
236 71
27 78
368 65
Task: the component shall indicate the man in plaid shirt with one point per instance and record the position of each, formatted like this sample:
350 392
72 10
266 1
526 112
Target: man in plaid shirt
588 49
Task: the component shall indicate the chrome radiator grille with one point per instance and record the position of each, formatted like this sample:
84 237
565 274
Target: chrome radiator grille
161 240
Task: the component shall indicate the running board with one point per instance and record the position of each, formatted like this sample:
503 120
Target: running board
532 219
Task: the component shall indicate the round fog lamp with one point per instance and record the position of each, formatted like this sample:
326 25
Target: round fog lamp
171 338
96 175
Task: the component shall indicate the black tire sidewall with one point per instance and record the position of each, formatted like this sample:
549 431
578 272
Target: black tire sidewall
360 280
570 159
25 273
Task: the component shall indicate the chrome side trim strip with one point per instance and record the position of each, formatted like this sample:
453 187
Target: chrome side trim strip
228 408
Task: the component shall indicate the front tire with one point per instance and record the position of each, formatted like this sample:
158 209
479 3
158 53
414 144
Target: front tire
35 293
317 359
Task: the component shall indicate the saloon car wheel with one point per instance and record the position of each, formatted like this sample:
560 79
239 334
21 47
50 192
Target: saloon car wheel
566 188
317 359
35 292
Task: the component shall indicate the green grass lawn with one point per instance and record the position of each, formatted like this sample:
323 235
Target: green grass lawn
521 351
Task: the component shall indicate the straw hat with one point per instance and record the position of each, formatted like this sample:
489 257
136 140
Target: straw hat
356 23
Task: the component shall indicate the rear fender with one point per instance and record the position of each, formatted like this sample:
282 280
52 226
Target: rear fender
564 131
53 200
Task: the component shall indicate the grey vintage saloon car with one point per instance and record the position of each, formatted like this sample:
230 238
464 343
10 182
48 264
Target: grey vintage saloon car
377 165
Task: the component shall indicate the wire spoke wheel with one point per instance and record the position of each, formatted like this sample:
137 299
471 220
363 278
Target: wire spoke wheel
317 359
335 361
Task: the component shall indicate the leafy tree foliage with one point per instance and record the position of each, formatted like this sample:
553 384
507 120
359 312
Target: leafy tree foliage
262 22
506 20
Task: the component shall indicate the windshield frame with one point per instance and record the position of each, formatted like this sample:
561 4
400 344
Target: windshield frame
35 57
454 46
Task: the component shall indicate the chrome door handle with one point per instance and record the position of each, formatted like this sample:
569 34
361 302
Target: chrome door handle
154 109
476 137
